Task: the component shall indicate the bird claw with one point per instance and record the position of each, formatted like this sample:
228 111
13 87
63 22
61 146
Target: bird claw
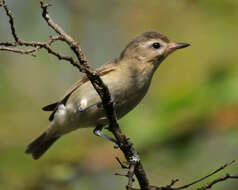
98 132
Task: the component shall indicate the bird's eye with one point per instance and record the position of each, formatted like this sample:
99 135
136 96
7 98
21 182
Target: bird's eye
156 45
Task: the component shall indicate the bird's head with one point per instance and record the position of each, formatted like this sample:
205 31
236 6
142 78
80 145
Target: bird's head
151 47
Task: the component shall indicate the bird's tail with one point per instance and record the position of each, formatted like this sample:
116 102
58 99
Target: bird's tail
40 145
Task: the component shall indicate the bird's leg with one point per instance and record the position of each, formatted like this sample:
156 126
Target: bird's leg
98 132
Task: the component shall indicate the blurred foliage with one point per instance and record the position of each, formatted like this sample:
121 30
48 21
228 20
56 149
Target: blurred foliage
185 127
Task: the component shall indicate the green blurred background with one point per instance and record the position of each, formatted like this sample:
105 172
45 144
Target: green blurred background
185 127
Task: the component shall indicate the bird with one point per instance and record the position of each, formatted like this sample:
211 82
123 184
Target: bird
128 79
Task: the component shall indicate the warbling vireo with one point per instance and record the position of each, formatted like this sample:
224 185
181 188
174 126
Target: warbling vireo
128 79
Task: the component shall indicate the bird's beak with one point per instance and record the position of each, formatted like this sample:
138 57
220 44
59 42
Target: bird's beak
173 46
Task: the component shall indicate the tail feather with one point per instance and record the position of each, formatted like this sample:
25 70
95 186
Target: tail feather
40 145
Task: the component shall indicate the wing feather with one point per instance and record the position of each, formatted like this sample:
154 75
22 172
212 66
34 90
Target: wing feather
101 71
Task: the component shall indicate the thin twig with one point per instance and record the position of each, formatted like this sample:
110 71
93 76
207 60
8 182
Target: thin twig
207 176
172 183
20 51
11 20
8 44
65 37
123 166
220 179
130 175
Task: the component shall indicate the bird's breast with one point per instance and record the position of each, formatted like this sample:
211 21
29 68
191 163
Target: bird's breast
127 90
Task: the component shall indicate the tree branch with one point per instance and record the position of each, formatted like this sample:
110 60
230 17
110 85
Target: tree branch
81 63
205 177
219 179
20 51
11 20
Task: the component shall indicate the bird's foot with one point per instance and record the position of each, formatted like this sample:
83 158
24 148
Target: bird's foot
98 132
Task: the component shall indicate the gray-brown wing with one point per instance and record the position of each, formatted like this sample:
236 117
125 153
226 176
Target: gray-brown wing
101 71
52 107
